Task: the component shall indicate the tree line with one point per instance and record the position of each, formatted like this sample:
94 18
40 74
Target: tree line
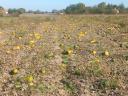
79 8
101 8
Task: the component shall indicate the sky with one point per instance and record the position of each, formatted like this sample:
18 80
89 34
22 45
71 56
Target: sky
48 5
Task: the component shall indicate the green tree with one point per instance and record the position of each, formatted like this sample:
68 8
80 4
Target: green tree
121 8
21 10
1 11
102 7
55 11
13 12
75 9
16 12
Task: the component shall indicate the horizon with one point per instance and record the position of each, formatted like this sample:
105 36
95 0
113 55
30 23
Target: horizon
48 5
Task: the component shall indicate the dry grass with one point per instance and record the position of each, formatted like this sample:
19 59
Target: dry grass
64 56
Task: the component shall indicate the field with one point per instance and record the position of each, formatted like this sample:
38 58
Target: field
64 55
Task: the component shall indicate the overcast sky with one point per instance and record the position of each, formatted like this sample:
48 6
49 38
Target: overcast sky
48 5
